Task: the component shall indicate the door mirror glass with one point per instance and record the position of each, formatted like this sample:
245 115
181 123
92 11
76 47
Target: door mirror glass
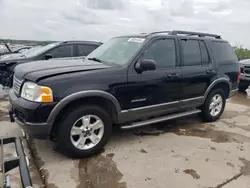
48 56
146 65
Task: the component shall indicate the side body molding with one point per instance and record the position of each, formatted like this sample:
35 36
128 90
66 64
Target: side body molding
82 94
217 81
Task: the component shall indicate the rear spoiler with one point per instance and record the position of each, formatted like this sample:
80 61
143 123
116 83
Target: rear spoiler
8 164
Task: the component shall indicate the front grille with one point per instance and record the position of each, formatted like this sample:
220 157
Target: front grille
247 71
16 85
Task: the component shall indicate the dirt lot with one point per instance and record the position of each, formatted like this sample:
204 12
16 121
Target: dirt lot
175 154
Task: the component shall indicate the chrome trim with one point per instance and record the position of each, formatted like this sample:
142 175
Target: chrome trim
124 111
150 106
233 92
17 85
138 100
163 104
160 119
191 99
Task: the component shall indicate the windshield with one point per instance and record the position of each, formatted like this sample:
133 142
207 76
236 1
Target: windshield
38 50
117 50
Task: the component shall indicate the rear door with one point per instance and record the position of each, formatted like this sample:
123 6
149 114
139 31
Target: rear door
197 71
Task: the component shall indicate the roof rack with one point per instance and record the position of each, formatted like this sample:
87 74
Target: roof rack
189 33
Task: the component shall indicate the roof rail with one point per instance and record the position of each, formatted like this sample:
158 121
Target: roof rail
176 32
156 32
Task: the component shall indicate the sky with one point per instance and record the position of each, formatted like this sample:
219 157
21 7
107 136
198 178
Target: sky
100 20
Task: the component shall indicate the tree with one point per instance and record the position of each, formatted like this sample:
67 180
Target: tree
242 53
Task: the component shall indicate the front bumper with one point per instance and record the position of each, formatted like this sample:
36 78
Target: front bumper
30 116
245 78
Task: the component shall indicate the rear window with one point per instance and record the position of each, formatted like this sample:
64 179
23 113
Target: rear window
224 53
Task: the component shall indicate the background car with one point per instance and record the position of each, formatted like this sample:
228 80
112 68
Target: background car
66 49
244 74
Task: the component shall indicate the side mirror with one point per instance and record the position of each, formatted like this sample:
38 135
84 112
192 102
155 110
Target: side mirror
145 65
48 56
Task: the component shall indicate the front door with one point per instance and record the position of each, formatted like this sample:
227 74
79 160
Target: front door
197 71
159 91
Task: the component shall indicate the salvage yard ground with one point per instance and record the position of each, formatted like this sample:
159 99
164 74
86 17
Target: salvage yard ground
185 153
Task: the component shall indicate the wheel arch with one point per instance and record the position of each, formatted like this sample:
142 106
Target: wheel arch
78 98
222 83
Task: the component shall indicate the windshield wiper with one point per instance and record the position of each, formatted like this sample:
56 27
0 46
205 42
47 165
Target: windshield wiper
94 59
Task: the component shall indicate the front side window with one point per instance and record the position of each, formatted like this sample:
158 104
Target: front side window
62 51
163 52
117 50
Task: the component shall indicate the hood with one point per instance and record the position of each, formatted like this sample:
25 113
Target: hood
40 69
245 62
11 57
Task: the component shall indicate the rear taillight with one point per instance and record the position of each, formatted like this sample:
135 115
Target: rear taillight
238 74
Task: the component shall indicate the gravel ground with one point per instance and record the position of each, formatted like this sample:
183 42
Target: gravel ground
177 154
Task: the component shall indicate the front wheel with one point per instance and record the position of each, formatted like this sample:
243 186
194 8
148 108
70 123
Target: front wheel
84 131
214 105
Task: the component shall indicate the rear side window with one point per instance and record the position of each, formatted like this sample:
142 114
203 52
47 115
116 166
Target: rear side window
191 52
224 53
204 53
85 49
62 51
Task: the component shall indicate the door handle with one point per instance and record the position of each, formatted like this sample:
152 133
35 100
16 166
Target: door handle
173 75
211 71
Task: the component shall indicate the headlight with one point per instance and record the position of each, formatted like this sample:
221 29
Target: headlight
33 92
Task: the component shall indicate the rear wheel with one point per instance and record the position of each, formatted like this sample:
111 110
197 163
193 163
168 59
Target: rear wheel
214 105
84 131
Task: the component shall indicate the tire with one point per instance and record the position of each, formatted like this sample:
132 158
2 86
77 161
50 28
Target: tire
65 139
206 113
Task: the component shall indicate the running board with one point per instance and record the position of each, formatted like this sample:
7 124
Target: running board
160 119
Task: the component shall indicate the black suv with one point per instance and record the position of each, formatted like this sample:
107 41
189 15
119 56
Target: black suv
129 81
66 49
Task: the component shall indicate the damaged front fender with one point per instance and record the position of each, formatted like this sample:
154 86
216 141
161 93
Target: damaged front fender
6 74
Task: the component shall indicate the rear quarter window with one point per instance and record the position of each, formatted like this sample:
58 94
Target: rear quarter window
224 53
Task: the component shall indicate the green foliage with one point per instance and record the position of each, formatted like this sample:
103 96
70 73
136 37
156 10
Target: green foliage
242 53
